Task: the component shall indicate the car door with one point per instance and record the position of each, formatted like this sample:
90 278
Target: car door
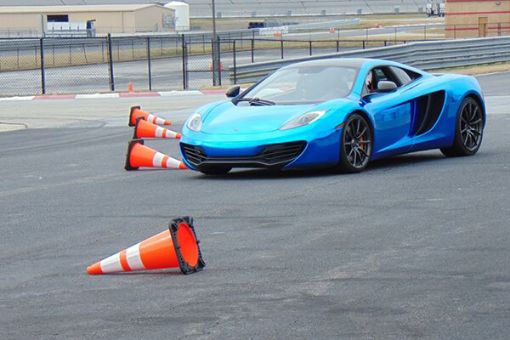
390 111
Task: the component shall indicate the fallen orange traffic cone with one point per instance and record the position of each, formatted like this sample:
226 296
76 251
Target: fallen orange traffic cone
145 129
139 155
136 113
176 247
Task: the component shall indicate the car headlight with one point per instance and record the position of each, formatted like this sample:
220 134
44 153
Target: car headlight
305 119
195 122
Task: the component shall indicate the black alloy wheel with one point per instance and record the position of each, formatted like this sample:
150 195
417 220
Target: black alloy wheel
468 130
356 144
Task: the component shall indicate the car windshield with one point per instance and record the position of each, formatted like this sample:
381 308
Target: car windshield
303 84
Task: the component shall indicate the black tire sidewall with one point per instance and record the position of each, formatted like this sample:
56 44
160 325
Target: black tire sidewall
344 163
459 143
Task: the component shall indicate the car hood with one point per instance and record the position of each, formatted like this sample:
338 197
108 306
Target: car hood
228 118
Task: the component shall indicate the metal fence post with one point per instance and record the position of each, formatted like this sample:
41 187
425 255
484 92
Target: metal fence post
281 47
43 75
149 64
219 65
252 50
338 45
184 65
310 47
214 59
110 63
234 56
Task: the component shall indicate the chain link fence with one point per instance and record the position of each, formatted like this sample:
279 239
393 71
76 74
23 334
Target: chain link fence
160 63
154 63
78 65
477 30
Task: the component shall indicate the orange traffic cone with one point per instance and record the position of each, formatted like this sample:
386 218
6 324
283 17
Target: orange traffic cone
139 155
176 247
136 113
144 129
131 87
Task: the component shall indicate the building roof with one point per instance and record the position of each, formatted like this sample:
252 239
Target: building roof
73 9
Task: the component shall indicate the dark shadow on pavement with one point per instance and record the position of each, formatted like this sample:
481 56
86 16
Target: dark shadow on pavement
386 163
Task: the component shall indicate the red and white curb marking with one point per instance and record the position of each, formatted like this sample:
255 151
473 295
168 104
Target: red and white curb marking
115 95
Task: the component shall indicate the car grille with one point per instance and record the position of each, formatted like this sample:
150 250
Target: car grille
270 156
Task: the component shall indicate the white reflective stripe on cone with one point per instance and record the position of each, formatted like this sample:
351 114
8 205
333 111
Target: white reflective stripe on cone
159 132
170 134
157 160
111 264
160 121
133 257
172 163
151 118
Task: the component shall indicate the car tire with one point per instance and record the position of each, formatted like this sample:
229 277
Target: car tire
215 171
468 130
355 144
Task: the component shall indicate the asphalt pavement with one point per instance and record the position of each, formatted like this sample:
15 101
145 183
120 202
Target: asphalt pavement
417 246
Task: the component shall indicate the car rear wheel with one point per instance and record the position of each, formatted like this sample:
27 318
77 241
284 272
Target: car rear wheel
215 171
355 144
468 130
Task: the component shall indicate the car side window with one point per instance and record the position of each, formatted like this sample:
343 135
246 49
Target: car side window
373 78
404 76
399 76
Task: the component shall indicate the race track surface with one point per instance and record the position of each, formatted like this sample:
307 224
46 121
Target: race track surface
415 247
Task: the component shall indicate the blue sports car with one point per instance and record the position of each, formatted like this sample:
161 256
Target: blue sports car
335 112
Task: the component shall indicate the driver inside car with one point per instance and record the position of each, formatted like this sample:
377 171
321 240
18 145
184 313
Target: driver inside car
370 83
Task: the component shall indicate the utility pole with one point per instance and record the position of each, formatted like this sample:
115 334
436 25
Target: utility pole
215 52
214 18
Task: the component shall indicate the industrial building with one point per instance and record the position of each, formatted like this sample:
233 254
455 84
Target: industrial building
261 8
477 18
39 20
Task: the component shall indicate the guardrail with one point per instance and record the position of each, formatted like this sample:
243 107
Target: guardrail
427 55
100 65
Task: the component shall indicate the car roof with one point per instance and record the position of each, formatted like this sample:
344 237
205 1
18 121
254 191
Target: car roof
361 64
345 62
358 63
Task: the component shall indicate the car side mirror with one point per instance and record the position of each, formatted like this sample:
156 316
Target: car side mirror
233 91
386 86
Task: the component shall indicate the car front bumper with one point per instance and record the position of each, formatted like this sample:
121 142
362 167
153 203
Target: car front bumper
291 151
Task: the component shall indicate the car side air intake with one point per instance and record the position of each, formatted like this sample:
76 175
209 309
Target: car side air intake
427 111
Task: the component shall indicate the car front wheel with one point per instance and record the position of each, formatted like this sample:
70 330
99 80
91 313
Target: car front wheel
355 144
